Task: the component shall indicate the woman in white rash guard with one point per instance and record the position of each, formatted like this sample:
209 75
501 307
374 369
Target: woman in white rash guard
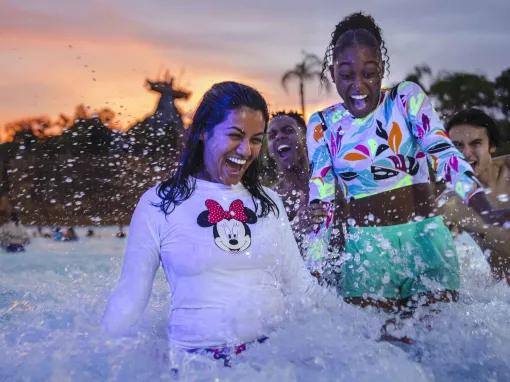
224 241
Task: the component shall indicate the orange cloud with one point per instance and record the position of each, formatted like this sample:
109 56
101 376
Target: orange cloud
51 77
51 73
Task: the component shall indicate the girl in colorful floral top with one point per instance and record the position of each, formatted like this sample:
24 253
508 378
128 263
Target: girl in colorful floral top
377 145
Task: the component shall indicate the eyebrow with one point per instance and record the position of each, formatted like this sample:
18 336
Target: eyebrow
284 127
476 140
241 131
237 129
292 127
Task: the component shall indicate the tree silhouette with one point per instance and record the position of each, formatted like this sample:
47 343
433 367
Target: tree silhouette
418 74
457 91
87 136
502 85
305 70
6 153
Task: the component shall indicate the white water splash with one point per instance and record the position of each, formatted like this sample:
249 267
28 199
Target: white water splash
53 296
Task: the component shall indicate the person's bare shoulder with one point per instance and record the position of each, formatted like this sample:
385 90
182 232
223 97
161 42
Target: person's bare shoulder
502 160
503 164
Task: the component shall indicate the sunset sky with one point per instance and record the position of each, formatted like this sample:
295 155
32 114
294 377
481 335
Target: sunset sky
55 55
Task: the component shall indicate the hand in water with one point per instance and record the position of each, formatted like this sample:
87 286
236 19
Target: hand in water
308 218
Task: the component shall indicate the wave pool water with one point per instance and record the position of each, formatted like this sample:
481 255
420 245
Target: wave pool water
52 298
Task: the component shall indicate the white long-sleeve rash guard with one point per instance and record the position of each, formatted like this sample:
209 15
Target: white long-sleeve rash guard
230 272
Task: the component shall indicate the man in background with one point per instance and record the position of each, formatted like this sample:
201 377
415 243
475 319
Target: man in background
475 134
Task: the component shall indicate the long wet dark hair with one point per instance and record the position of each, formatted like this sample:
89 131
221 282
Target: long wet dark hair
216 103
355 29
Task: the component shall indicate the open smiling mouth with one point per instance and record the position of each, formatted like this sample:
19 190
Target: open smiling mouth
359 101
235 163
283 150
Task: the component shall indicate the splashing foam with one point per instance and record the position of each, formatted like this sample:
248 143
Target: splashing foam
52 298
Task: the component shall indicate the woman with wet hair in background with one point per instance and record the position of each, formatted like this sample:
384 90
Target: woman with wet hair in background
377 143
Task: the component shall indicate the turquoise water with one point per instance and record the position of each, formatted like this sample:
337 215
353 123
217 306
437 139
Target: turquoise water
52 298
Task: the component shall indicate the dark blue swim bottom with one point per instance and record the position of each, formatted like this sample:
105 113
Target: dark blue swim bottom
15 248
225 353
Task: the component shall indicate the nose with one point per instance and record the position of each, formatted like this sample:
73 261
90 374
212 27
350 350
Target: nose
244 148
279 135
357 82
467 152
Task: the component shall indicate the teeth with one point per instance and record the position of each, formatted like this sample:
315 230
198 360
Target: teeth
237 160
283 147
359 96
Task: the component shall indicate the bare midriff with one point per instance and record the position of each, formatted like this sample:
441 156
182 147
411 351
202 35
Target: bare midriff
398 206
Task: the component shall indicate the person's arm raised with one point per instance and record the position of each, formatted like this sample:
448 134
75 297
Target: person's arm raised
446 160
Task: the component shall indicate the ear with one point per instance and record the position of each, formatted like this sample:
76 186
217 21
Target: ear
252 217
492 149
332 72
203 220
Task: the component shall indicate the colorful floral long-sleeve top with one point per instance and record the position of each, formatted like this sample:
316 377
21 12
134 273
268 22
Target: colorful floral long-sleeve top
385 150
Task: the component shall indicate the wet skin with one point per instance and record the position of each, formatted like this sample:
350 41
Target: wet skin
285 143
232 146
357 73
473 143
494 174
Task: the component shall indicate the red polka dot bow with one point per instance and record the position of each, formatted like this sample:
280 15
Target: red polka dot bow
217 213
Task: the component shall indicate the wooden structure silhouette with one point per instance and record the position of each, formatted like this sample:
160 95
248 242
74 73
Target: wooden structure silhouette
166 109
160 134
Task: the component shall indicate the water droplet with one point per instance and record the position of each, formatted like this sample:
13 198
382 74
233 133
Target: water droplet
502 198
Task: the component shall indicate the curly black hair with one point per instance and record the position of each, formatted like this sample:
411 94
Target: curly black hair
296 116
357 28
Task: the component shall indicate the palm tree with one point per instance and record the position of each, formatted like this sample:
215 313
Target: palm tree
305 70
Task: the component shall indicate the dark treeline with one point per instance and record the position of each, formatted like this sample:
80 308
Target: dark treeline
92 174
456 91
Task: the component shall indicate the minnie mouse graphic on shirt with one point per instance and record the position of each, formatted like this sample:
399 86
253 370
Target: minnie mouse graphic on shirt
230 228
